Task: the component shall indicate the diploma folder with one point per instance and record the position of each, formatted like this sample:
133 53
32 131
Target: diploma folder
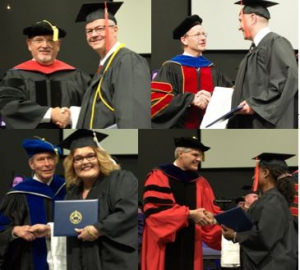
236 219
71 214
226 116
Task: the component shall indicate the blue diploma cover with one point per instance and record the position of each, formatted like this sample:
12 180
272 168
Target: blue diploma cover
71 214
236 219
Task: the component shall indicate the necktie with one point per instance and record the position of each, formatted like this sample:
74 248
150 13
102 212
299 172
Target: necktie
252 47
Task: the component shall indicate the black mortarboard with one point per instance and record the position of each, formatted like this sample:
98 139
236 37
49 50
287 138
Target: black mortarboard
83 138
268 157
93 11
186 25
273 156
190 142
39 145
44 28
258 7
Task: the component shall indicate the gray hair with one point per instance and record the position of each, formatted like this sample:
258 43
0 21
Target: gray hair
183 149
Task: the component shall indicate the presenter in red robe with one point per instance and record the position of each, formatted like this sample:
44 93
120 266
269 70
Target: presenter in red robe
175 225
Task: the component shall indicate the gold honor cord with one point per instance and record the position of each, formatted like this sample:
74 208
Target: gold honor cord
98 92
55 30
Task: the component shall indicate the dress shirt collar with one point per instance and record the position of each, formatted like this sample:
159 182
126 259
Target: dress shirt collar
260 35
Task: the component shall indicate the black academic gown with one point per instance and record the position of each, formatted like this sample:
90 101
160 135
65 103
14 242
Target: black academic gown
29 90
272 244
125 94
29 203
268 80
117 248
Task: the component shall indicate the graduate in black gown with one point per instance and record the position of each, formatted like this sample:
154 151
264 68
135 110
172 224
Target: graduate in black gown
28 207
119 95
91 173
272 243
38 93
267 79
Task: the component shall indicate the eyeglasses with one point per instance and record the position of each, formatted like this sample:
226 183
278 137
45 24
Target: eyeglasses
98 30
40 41
198 35
88 157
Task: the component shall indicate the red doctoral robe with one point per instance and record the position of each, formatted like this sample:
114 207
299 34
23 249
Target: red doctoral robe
170 239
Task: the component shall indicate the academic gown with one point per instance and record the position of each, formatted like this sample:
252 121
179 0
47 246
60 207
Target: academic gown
268 80
124 97
117 248
28 203
272 244
170 240
174 87
28 90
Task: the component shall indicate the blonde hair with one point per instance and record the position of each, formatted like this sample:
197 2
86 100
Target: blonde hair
105 161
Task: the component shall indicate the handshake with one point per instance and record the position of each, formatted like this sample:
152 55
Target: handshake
61 116
30 233
202 217
201 99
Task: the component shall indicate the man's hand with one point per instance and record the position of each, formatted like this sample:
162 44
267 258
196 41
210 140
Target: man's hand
202 99
210 217
246 108
199 217
23 232
40 230
61 116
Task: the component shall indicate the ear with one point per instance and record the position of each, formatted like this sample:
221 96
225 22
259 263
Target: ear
28 41
58 45
31 164
183 40
265 172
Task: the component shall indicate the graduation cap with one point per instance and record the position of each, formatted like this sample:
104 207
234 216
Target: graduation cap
186 25
44 28
190 142
268 157
83 138
93 11
273 156
40 145
258 7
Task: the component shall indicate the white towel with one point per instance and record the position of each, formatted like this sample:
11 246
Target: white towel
57 255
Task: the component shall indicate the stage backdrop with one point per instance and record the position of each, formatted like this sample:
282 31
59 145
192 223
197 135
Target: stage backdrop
236 148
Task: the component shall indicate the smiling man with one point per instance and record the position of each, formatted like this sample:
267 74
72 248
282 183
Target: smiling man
119 94
183 86
39 93
175 196
28 207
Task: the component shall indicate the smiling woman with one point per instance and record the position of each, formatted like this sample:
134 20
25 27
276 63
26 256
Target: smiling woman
91 173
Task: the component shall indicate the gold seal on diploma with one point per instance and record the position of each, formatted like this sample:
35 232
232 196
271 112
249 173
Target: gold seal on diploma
75 217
